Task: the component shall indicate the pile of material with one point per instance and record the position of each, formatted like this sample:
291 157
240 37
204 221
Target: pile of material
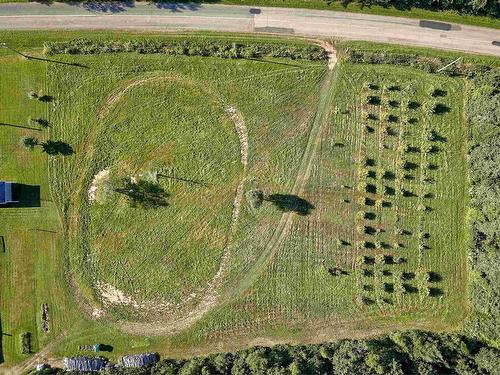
139 360
85 363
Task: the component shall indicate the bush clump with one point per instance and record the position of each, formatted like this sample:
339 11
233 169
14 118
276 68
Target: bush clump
25 339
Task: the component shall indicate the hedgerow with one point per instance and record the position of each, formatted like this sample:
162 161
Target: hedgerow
425 63
223 49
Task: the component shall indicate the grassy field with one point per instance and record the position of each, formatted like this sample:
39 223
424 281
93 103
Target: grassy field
363 170
388 187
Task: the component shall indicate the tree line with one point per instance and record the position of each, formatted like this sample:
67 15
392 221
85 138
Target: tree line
478 7
483 109
410 352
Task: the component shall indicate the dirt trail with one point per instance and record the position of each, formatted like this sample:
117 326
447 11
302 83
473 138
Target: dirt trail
42 356
331 52
320 118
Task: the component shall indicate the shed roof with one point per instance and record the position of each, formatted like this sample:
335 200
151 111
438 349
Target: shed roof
85 363
139 360
5 192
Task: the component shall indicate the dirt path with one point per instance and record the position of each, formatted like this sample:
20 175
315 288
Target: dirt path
42 356
332 53
320 118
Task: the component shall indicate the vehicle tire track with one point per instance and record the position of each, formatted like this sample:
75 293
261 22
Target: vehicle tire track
320 118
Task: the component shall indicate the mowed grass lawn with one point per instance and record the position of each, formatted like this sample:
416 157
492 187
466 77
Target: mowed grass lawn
386 207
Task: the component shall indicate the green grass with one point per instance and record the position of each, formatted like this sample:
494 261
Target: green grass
58 253
297 289
445 15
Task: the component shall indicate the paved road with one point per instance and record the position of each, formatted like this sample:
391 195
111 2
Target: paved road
146 16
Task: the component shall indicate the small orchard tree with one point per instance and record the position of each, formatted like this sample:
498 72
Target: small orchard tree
143 194
255 198
32 95
29 142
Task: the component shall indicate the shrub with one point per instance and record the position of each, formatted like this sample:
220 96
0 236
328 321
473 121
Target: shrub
25 340
29 142
255 198
32 94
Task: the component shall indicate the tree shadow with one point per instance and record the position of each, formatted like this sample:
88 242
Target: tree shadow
408 276
435 277
105 348
25 196
436 137
336 271
19 126
438 93
435 292
370 215
389 287
78 65
410 166
410 289
144 194
179 6
54 148
106 6
291 203
440 109
46 98
194 182
373 100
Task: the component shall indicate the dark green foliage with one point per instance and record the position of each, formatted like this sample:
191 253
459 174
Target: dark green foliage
54 148
29 142
223 49
25 340
255 198
411 352
484 118
488 360
144 194
480 7
425 63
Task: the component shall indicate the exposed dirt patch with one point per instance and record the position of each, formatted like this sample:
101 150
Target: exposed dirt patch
332 54
242 131
98 180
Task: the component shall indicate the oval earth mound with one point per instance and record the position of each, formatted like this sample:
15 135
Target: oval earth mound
158 258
